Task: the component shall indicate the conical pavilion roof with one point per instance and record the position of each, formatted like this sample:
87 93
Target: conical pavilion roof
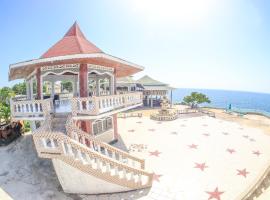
74 48
74 42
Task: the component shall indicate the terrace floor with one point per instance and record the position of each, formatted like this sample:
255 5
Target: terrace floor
197 158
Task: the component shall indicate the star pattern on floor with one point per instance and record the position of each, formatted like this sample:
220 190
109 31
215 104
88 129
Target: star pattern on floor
200 166
139 122
156 177
242 172
215 194
154 153
258 153
231 151
193 146
131 130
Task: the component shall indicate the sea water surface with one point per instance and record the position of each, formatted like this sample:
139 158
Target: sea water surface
240 101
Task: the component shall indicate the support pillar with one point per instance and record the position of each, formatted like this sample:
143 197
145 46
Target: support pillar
28 89
53 91
83 80
39 84
31 89
115 128
97 85
83 88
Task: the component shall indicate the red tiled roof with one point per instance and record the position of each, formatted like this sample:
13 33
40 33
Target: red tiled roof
74 42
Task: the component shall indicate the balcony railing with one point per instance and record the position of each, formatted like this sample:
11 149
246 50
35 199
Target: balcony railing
102 104
30 108
33 109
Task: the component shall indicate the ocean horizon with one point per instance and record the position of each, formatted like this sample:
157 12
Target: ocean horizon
240 100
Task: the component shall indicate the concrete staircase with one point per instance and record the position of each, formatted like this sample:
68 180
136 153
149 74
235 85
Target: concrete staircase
86 165
58 123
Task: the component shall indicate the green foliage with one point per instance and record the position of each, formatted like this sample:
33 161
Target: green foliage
26 127
5 94
195 98
66 85
4 113
19 88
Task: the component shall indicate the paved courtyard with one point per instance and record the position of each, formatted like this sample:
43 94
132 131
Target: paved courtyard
197 158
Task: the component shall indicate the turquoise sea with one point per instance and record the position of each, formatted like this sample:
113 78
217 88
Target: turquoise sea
240 101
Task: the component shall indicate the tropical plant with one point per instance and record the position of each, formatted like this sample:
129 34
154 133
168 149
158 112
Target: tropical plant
19 88
26 126
195 98
4 113
5 94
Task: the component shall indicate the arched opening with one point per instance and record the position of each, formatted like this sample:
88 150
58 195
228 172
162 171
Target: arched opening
100 84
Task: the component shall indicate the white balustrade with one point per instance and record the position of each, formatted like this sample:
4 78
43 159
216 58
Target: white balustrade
97 105
34 108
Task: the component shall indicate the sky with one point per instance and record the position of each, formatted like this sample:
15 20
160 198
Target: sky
213 44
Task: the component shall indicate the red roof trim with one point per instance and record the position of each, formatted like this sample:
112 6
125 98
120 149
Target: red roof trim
74 42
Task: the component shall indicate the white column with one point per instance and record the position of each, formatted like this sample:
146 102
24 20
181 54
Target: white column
112 84
53 92
27 89
74 87
31 88
97 81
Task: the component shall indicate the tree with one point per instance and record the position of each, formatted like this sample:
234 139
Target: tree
5 94
19 88
67 85
195 98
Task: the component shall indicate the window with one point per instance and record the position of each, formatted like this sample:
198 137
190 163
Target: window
102 125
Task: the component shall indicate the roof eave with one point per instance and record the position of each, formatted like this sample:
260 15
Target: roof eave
70 57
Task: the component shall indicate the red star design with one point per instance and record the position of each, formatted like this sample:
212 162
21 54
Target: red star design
242 172
151 129
131 130
154 153
215 194
245 136
156 177
201 166
257 153
193 146
206 134
231 151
